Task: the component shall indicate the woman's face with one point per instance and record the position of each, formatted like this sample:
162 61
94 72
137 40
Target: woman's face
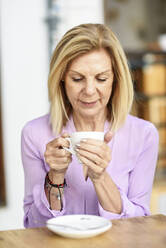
88 83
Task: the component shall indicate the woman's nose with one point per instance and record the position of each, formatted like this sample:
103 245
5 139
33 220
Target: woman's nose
90 87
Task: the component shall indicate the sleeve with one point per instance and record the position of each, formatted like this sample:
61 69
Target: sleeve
36 206
137 201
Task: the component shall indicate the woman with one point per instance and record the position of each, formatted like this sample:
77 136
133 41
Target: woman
90 89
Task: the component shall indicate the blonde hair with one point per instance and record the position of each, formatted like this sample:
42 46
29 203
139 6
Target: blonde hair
76 42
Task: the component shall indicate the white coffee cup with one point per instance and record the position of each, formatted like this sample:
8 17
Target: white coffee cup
76 137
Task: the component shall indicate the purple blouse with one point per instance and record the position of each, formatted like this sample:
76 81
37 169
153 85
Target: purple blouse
134 154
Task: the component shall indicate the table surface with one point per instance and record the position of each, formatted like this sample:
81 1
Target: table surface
133 232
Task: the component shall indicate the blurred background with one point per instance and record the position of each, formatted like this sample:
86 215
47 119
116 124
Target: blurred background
29 31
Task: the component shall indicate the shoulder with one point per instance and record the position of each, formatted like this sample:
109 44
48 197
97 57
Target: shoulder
37 123
135 137
38 127
137 132
134 124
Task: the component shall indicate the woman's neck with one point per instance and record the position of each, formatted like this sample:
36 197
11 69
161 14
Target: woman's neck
89 124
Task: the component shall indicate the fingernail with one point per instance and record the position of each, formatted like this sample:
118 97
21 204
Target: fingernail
78 145
84 140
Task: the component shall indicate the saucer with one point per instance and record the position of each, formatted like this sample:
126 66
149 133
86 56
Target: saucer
78 226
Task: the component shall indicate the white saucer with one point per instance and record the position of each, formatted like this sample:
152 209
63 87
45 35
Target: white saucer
78 226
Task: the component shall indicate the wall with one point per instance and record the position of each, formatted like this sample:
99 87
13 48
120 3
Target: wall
74 12
128 20
24 81
24 91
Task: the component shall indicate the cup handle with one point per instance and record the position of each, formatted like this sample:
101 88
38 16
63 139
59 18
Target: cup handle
70 149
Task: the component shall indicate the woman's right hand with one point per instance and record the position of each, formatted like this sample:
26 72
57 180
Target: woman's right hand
58 158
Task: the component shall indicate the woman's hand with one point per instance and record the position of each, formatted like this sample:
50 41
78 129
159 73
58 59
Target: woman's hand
96 155
57 158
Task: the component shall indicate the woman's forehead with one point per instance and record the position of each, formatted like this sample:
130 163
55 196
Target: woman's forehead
97 60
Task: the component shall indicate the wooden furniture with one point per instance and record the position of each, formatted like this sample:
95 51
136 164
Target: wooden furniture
134 232
158 199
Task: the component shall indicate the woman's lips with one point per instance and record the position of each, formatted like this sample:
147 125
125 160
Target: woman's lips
88 104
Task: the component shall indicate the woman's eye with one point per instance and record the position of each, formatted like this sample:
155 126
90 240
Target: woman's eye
76 79
102 79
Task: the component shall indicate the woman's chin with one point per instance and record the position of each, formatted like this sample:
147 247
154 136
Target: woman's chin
90 113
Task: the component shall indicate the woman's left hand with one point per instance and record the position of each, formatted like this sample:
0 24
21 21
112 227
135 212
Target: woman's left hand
96 155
